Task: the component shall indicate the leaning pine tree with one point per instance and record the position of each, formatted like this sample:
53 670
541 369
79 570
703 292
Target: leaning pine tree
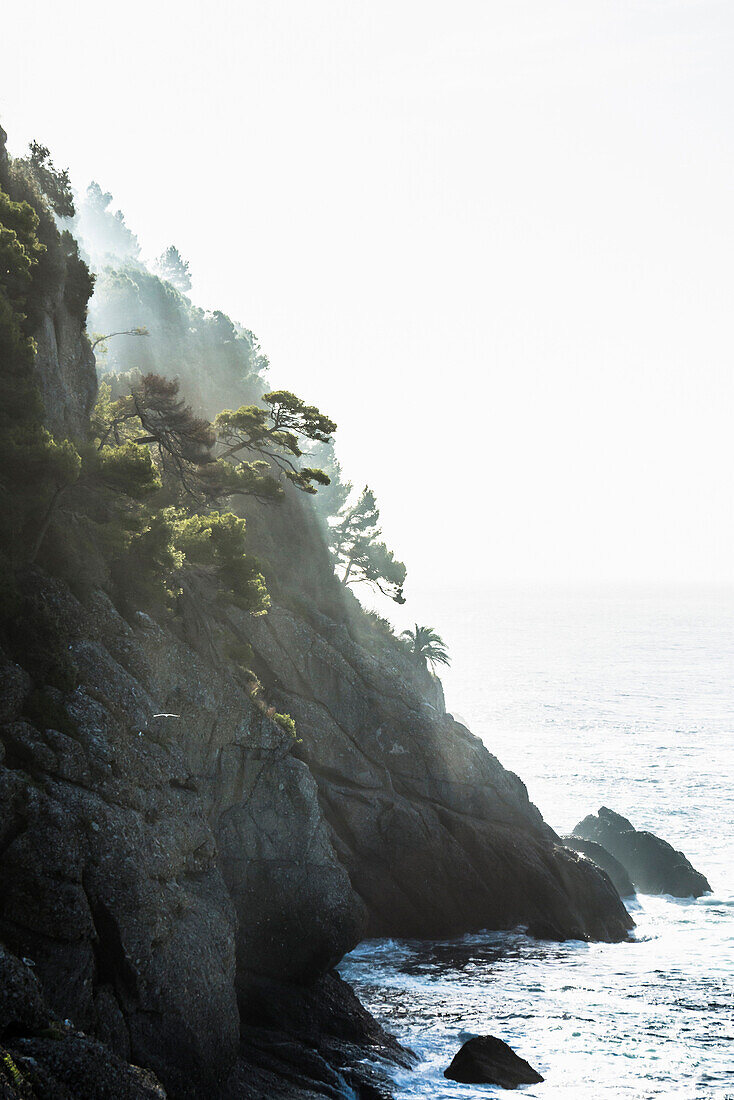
360 554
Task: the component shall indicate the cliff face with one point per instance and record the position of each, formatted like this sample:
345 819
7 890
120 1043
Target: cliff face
64 364
438 838
141 857
65 369
179 875
156 868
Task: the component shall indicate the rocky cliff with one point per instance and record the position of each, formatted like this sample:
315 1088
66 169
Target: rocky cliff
180 875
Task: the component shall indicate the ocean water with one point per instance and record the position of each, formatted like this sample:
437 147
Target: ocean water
617 698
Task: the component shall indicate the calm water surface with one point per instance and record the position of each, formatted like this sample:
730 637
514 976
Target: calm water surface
618 698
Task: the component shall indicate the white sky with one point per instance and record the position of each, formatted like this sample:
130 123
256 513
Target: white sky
494 240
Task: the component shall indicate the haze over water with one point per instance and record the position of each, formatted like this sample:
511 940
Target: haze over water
618 698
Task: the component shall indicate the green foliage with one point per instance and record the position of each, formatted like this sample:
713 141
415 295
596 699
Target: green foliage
53 183
172 267
20 249
106 238
286 723
79 281
333 497
213 358
216 542
360 553
34 467
277 433
11 1073
153 414
426 645
220 480
127 468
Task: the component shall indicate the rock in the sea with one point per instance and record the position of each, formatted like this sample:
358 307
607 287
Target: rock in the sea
604 859
486 1060
654 866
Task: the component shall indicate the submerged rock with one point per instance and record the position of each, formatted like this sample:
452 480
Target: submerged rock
487 1060
654 866
604 859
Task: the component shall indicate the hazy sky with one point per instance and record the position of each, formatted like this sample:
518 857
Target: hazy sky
494 240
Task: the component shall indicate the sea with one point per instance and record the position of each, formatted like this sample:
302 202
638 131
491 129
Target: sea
616 697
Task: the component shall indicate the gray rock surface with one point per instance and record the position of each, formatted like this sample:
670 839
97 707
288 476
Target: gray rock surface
487 1060
140 856
44 1058
316 1040
438 838
165 874
654 866
605 860
65 370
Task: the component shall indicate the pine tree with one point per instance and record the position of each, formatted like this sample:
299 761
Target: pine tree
360 553
172 267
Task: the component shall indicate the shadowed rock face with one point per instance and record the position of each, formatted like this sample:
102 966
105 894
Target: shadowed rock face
654 866
43 1058
139 858
438 838
490 1061
65 370
152 868
110 878
318 1040
605 860
155 870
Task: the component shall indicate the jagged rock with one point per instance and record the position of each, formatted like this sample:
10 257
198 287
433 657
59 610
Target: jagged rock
42 1058
110 875
15 686
654 866
604 859
487 1060
312 1041
138 856
438 838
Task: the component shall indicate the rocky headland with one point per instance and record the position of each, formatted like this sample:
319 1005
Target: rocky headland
180 874
651 863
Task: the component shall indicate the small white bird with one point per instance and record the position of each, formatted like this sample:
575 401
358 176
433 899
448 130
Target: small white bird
166 715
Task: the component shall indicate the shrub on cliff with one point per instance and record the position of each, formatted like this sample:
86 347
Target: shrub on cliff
216 544
35 467
59 269
195 457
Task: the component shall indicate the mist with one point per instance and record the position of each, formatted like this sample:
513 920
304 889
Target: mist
496 252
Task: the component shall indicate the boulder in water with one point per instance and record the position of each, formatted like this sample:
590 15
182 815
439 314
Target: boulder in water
654 866
486 1060
604 859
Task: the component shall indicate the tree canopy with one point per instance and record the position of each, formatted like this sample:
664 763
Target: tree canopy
53 182
428 646
198 459
172 267
277 434
359 552
35 467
